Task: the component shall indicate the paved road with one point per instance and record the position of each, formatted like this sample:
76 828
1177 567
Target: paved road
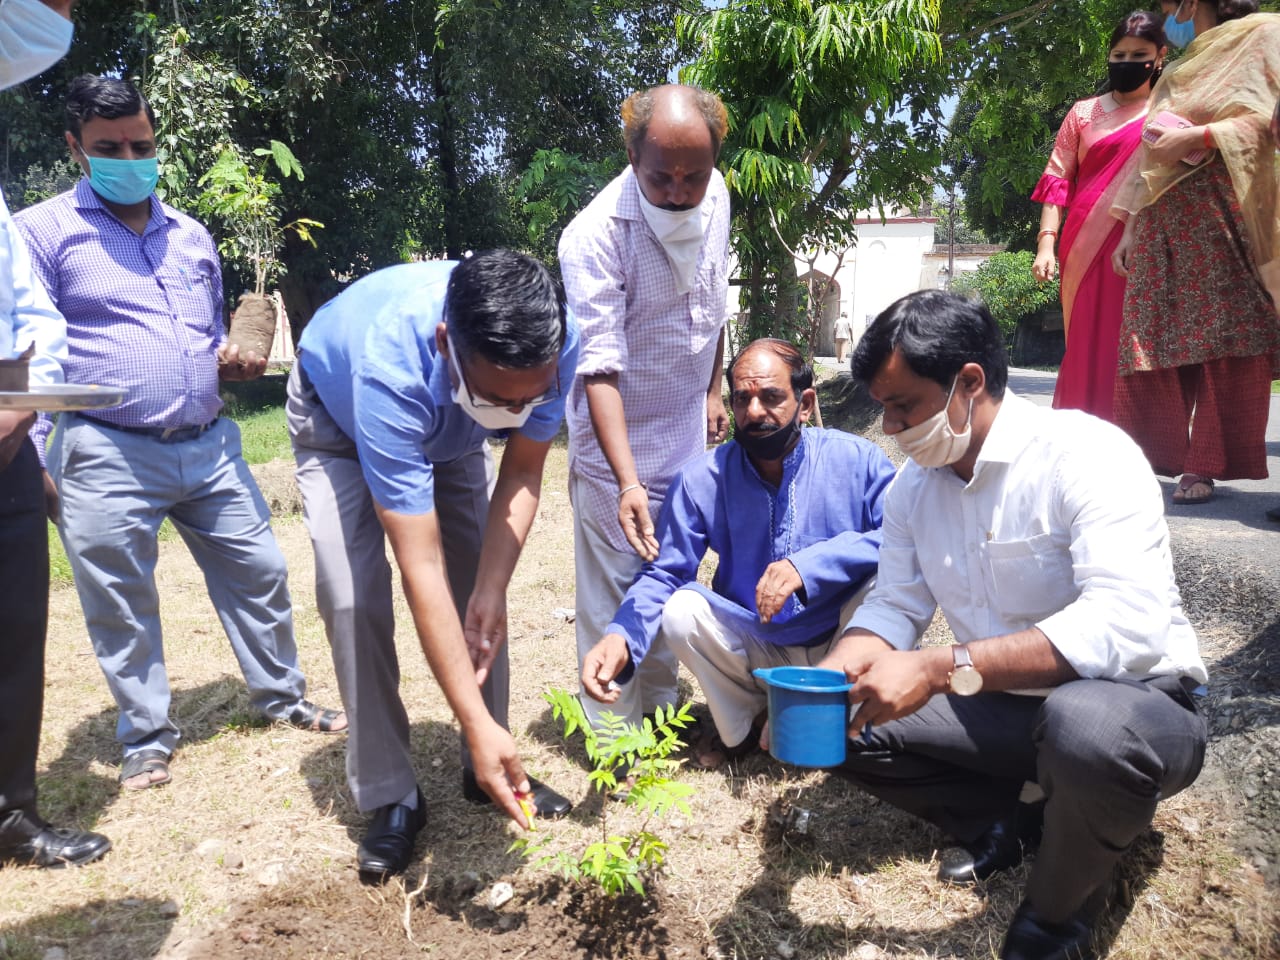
1234 522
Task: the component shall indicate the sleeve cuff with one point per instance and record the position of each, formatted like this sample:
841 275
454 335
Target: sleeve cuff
1053 190
896 629
1086 653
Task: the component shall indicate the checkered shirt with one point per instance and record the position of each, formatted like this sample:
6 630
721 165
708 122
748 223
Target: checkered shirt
143 312
661 343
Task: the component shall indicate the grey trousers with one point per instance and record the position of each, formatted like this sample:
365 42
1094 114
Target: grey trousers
602 576
1104 752
353 588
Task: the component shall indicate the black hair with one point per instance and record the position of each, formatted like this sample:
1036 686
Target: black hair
938 333
1234 9
1142 24
787 352
507 308
110 98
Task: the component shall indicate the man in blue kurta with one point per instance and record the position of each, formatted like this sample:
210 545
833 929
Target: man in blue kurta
794 518
400 381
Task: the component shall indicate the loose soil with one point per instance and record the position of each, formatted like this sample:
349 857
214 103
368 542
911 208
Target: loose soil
249 853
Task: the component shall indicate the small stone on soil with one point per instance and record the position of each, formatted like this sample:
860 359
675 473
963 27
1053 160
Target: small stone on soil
210 849
170 909
499 894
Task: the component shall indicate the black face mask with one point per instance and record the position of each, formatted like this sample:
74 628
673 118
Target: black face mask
1127 76
768 446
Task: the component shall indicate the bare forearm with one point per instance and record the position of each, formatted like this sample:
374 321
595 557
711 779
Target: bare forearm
609 421
511 514
716 387
1051 219
1020 661
415 541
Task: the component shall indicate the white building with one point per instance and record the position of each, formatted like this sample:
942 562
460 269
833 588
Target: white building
893 257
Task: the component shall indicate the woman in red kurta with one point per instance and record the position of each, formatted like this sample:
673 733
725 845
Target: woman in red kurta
1095 142
1200 341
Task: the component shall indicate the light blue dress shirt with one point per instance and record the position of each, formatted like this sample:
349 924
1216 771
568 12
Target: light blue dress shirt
27 315
371 355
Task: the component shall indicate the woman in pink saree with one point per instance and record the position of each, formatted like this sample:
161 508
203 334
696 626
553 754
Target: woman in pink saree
1094 144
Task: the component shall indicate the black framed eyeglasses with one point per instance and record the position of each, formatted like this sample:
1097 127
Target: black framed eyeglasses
480 403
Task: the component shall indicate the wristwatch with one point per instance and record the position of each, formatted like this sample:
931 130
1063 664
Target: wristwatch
965 680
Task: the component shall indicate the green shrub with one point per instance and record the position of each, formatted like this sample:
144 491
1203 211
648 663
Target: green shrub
1005 284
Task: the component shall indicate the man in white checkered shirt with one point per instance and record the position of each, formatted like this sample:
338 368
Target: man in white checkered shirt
645 267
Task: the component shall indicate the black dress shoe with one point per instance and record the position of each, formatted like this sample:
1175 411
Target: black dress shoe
1000 848
548 803
27 840
387 846
1031 937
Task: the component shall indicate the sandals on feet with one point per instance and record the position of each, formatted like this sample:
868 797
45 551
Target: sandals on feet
710 752
305 715
1189 482
146 763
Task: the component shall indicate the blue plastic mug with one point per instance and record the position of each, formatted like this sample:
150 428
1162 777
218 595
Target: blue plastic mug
808 715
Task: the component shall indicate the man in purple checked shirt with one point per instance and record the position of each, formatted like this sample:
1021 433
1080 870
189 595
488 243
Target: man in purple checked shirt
141 287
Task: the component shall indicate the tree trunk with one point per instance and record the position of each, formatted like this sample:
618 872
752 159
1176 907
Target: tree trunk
446 134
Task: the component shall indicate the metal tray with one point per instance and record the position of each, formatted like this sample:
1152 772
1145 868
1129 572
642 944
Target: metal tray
53 397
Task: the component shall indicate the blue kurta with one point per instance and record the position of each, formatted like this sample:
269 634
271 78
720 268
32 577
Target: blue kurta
824 516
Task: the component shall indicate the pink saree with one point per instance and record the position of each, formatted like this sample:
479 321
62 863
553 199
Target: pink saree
1085 180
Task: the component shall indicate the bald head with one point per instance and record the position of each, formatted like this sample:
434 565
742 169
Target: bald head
673 136
678 110
773 353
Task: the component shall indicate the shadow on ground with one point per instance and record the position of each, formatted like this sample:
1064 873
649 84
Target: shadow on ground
70 792
129 929
851 838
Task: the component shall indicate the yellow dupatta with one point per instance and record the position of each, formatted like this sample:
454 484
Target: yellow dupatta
1229 79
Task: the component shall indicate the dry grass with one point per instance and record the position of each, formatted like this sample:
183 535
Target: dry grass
260 814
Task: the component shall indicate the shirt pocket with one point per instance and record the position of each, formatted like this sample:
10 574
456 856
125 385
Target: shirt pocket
707 301
1032 578
189 289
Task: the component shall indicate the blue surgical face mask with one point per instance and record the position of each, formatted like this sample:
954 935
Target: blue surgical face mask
123 181
1179 34
32 39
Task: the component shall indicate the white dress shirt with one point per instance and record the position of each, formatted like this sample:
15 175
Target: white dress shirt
1062 527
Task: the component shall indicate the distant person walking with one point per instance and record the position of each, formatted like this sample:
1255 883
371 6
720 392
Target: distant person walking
1094 144
1200 340
843 333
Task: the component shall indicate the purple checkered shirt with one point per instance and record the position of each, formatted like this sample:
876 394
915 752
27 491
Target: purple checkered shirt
143 312
661 343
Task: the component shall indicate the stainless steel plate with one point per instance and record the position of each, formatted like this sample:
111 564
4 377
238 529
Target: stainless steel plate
61 396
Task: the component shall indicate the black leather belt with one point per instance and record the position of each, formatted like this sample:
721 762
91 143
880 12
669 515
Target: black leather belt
163 434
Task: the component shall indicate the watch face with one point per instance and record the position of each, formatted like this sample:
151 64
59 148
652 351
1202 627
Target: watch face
966 681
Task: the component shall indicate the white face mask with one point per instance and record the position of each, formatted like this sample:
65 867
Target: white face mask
32 39
489 417
933 443
680 233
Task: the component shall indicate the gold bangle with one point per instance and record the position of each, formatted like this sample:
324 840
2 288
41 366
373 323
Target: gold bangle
1051 233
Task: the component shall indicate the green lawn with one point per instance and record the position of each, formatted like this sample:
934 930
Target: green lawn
258 407
1275 386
